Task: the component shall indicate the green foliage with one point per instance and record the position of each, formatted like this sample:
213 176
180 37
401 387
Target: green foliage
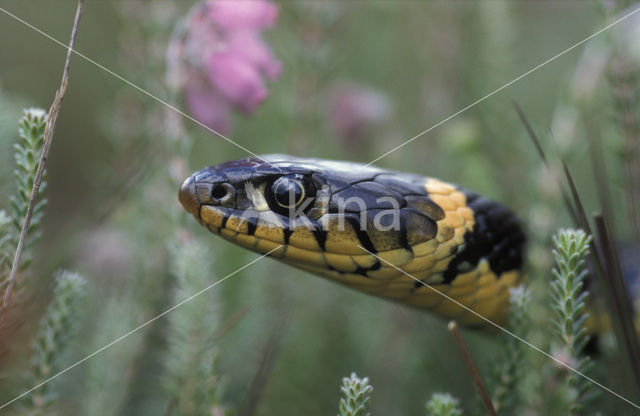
356 393
27 158
443 404
107 379
27 155
568 303
505 392
56 329
6 246
191 379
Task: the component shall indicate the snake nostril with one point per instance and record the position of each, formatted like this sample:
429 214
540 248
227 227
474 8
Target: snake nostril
221 192
218 192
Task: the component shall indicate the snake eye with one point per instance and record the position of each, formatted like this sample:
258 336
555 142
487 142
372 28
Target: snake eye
288 192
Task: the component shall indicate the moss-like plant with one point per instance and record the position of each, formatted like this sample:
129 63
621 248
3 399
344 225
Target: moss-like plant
27 157
56 329
356 395
443 404
510 367
568 303
191 379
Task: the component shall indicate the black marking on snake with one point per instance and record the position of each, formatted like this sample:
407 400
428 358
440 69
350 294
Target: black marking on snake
225 218
286 232
252 225
361 271
363 236
404 241
321 237
496 237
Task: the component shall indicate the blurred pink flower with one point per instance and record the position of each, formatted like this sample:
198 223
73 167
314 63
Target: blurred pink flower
233 15
207 107
237 80
355 111
219 61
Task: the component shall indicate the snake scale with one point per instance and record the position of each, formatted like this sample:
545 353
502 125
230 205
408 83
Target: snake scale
390 234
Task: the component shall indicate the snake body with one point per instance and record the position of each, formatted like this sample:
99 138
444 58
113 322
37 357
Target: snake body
391 234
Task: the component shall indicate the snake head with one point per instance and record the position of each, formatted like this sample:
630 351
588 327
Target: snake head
244 194
312 204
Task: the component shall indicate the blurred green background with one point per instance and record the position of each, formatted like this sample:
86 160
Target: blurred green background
112 211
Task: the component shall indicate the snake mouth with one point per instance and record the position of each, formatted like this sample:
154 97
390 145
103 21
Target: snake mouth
189 198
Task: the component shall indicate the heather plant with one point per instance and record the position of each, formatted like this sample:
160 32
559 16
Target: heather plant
61 318
27 156
6 247
356 393
191 379
569 305
443 404
57 326
509 366
336 80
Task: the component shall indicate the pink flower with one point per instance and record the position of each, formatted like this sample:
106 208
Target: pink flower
253 49
207 107
237 80
233 15
219 60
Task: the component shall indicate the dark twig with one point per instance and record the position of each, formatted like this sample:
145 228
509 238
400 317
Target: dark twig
531 132
536 142
268 359
46 146
453 327
621 308
581 216
599 172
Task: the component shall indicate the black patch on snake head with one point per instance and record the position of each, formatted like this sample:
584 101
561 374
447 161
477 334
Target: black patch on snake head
426 206
497 237
419 226
363 196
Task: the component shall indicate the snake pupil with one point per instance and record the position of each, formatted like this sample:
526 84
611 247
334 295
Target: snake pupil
287 193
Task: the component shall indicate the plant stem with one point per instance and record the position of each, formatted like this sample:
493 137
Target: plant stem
453 327
46 146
